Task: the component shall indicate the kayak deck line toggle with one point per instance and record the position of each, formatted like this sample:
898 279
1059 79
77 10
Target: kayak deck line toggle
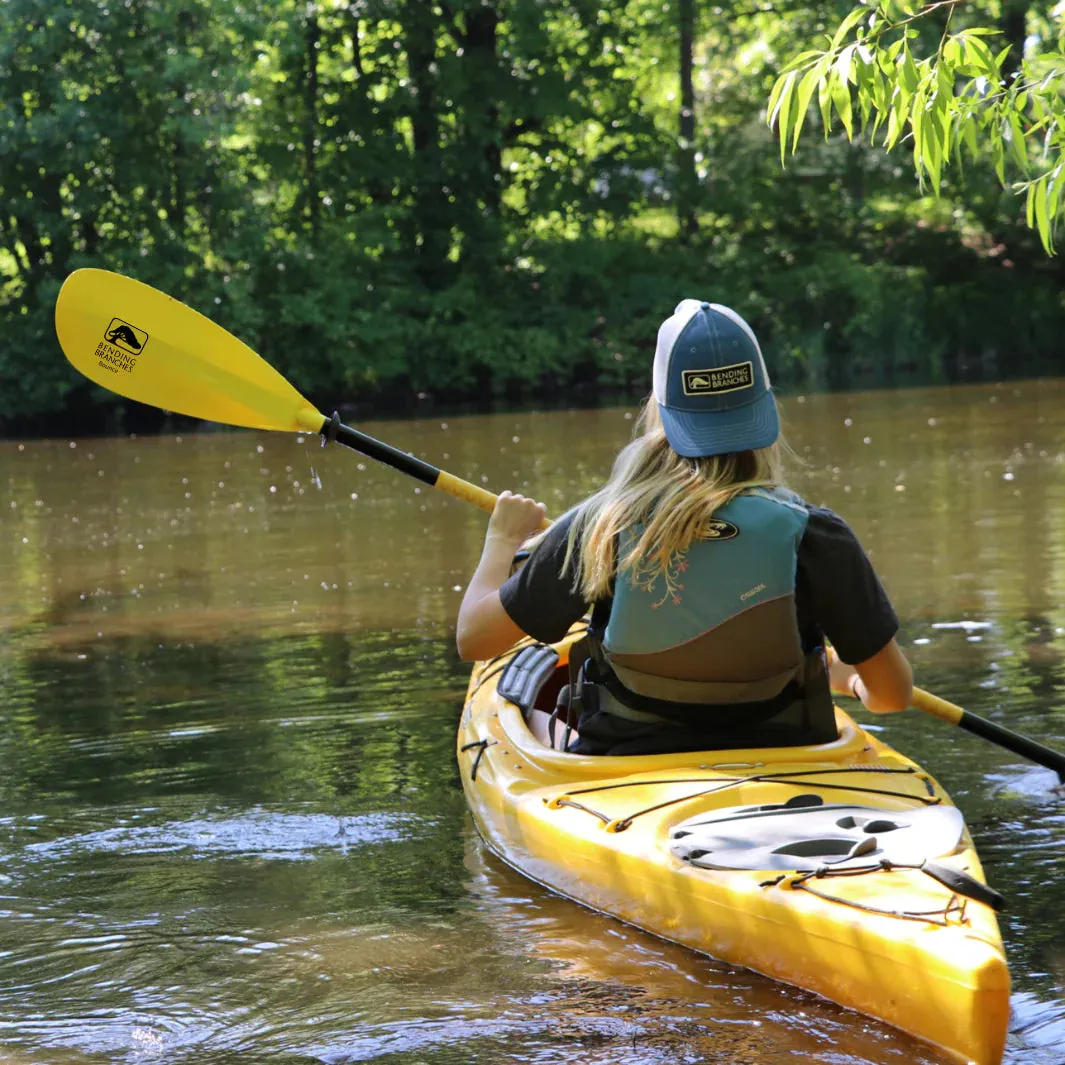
961 884
941 917
482 746
620 824
826 771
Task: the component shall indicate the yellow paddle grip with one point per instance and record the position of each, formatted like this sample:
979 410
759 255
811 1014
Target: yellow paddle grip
469 493
932 704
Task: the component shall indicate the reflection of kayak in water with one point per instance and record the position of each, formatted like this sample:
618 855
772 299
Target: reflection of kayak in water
843 869
679 1005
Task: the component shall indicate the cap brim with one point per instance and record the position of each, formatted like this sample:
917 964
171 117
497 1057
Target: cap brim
703 433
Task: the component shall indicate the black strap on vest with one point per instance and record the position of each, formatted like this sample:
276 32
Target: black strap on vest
682 715
689 715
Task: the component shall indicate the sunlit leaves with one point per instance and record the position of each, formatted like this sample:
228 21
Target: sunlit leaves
948 98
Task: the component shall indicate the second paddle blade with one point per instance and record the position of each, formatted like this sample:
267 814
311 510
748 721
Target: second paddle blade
140 343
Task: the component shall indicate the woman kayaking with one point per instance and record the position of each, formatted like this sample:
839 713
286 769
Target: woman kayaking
712 587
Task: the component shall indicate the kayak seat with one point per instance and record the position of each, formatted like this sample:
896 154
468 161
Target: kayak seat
806 833
523 680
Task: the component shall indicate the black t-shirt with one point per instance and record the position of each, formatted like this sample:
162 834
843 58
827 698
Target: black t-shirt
837 592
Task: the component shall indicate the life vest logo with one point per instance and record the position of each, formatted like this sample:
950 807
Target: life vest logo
126 336
719 529
722 379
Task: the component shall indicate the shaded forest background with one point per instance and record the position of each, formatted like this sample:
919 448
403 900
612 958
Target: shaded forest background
399 202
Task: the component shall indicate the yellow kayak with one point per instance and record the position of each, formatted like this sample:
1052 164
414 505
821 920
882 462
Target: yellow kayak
844 868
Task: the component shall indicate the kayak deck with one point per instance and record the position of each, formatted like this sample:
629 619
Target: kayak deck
886 939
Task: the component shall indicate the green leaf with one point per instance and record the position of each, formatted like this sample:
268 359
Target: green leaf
782 115
998 159
841 97
1015 142
809 82
773 106
801 60
847 25
824 100
894 128
908 74
982 56
1042 215
932 144
1057 174
899 117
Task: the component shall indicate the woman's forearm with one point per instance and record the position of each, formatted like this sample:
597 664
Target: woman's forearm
484 628
491 572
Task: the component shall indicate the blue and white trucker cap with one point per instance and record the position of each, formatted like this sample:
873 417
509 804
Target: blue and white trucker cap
711 383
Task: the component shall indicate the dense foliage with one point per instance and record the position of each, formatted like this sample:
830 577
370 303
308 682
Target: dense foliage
934 72
464 199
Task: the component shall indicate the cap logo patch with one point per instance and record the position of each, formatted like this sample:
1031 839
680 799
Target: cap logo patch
721 379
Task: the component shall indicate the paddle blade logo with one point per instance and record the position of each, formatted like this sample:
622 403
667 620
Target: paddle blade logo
121 345
126 336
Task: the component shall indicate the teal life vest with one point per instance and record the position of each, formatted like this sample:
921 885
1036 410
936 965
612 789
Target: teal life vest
714 640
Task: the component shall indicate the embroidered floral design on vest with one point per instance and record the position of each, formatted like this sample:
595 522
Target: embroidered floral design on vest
647 581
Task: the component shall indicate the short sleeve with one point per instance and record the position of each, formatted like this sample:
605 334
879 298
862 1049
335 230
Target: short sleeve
539 598
837 584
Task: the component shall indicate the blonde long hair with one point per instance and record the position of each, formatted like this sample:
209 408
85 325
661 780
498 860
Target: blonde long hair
670 496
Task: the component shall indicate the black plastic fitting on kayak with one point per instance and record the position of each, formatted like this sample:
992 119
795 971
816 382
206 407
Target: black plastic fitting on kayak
526 674
962 883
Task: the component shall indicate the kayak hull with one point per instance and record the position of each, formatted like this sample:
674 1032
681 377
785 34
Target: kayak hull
892 943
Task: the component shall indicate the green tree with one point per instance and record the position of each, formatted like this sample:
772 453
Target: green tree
949 79
116 148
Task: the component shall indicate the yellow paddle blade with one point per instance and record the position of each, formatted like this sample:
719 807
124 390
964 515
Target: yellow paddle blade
137 341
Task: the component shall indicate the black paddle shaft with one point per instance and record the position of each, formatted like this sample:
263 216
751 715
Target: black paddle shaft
335 429
1015 742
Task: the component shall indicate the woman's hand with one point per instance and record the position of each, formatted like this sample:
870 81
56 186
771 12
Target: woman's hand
515 519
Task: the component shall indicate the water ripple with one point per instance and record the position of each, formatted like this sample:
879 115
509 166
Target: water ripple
257 833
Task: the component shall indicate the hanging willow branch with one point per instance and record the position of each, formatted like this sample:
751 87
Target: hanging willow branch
955 101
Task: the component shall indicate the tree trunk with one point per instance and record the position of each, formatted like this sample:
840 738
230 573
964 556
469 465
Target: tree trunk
312 38
430 229
687 179
483 137
1014 21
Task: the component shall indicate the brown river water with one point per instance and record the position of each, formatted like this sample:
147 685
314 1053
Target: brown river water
231 826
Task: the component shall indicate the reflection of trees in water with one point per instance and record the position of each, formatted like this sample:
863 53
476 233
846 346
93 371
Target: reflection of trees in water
314 717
